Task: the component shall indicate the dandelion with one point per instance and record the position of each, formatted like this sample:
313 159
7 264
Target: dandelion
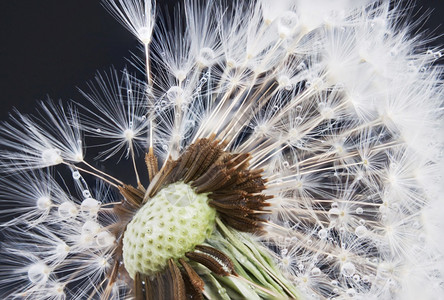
277 151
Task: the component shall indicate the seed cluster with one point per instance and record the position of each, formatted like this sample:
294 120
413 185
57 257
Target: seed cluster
169 225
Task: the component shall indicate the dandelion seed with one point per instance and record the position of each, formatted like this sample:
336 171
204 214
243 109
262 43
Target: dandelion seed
289 150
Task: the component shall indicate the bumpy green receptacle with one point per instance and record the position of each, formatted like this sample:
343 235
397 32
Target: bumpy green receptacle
167 226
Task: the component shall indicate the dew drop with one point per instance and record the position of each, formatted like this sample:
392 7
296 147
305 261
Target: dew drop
90 228
222 291
98 130
206 56
86 194
105 239
90 207
323 234
76 175
62 249
67 210
144 34
43 203
351 293
361 231
38 273
287 23
316 272
359 210
333 213
348 269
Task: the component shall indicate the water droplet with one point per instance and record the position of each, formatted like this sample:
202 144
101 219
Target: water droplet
359 210
323 234
90 207
98 130
356 278
351 292
287 22
144 34
334 213
174 94
366 279
361 231
38 273
104 239
348 269
86 194
206 56
284 251
67 210
222 291
90 228
316 272
76 175
43 203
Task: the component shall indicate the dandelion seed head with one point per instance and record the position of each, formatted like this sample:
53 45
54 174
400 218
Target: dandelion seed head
286 149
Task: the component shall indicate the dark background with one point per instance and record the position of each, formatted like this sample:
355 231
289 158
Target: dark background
51 47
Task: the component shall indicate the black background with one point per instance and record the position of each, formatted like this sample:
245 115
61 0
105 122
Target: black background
51 47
